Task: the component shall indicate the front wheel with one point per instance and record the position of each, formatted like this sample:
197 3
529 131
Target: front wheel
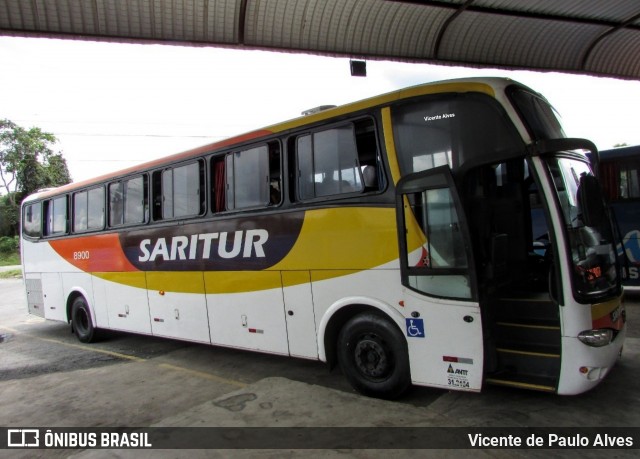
81 322
373 356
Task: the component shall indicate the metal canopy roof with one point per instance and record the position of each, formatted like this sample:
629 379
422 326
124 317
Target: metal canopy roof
578 36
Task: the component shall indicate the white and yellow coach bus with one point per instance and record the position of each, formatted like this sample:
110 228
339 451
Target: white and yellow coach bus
444 235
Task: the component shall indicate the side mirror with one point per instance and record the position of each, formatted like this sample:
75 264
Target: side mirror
591 201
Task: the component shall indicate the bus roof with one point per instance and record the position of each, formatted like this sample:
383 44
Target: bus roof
488 85
620 153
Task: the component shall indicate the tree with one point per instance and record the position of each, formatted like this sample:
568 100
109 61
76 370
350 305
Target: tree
27 164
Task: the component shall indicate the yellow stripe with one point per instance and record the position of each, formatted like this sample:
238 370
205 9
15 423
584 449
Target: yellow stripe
602 309
93 349
241 281
203 374
343 238
522 385
135 279
181 282
390 145
537 327
291 278
533 354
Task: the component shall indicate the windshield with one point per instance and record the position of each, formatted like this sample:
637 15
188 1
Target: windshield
539 117
452 129
591 247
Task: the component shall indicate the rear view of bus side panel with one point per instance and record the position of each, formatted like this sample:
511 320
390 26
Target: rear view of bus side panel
35 297
43 281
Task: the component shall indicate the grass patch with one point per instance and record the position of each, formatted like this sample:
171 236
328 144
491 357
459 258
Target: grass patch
11 274
9 259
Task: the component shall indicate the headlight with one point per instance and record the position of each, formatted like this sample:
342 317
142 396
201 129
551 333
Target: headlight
596 338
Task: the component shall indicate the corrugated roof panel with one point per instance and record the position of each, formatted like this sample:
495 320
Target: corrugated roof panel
187 20
129 20
610 10
65 16
521 42
539 34
16 14
366 27
616 55
223 20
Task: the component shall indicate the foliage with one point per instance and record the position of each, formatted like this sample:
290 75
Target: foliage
9 251
8 215
9 245
27 164
9 259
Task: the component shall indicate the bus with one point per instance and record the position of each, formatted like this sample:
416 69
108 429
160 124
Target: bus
391 237
620 177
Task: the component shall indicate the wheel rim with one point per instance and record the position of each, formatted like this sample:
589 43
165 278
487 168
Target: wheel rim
372 358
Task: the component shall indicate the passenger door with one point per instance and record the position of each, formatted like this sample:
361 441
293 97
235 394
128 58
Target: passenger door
443 324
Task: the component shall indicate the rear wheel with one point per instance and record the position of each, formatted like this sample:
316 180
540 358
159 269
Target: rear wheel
81 322
373 356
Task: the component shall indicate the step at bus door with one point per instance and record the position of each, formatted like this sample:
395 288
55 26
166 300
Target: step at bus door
443 324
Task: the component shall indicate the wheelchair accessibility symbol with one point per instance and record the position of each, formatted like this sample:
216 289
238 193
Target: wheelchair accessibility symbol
415 328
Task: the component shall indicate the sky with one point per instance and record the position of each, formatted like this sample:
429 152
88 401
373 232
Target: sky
112 106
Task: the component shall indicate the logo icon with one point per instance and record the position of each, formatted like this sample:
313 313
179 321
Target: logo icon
23 438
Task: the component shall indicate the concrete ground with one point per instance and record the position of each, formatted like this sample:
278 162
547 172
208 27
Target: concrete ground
49 379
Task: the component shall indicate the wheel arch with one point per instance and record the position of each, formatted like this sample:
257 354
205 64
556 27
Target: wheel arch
71 297
340 312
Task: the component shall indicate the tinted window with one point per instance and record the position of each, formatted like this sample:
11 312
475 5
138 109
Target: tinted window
252 178
183 191
620 179
328 163
539 117
248 178
128 201
32 222
88 210
436 131
56 211
434 253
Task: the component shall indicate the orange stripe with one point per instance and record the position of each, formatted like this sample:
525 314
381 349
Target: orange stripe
99 253
194 153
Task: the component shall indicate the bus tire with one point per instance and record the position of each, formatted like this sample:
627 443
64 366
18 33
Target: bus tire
373 356
81 322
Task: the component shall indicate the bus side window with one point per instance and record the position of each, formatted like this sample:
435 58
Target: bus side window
56 216
116 215
440 266
128 201
275 174
629 182
369 155
335 161
32 220
179 191
218 184
80 203
95 211
88 210
252 178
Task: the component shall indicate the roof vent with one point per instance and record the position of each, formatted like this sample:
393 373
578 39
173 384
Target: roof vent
321 108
